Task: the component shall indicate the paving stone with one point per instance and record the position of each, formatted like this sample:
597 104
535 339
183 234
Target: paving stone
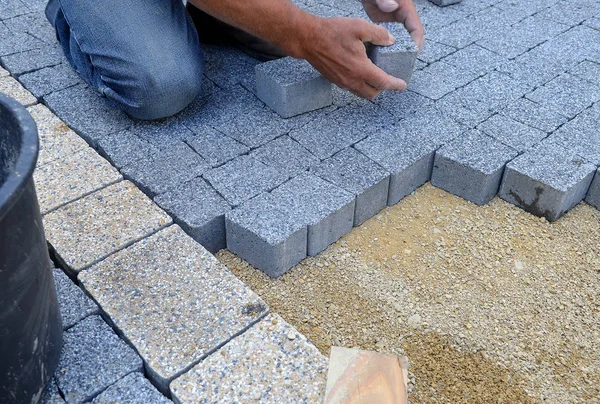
51 394
402 103
73 302
12 8
342 97
433 51
586 145
286 155
124 148
244 178
593 195
409 159
227 66
162 134
534 115
565 13
35 24
326 11
593 22
172 300
397 60
518 11
216 148
64 180
434 18
587 70
132 389
439 79
49 79
266 233
292 86
332 132
11 42
475 58
15 90
93 358
86 113
512 133
547 181
520 69
56 139
362 177
199 210
471 167
94 227
35 5
35 59
568 94
166 170
271 363
428 123
443 3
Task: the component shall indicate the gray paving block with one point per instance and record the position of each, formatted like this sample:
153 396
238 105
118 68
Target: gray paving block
534 115
345 5
199 210
75 305
266 232
362 177
49 79
440 78
402 103
430 124
93 358
566 13
244 178
51 394
292 86
227 66
132 389
521 68
166 170
344 97
593 195
162 134
28 61
35 24
475 58
14 42
547 181
471 167
397 60
215 147
86 113
433 51
286 155
568 94
124 147
585 143
512 133
443 3
12 8
587 70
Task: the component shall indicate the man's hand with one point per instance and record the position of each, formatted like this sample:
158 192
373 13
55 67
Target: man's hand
336 49
402 11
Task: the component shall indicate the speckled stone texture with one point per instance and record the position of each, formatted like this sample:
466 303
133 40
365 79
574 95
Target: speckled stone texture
132 389
362 177
93 358
74 304
51 394
397 60
49 79
286 155
124 147
28 61
471 167
270 363
512 133
292 86
14 89
172 300
443 3
593 195
547 181
94 227
534 115
216 148
199 210
75 175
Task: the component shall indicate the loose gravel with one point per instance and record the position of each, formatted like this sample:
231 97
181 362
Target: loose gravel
490 304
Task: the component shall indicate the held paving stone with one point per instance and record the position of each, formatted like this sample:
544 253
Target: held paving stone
471 167
57 141
93 358
534 115
568 94
243 178
74 304
292 86
512 133
166 169
286 155
199 210
216 148
593 195
357 174
587 70
547 181
440 78
90 229
14 89
173 308
266 233
35 59
124 147
270 363
49 79
398 59
72 177
132 389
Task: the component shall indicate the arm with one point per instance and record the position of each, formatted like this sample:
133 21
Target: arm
334 46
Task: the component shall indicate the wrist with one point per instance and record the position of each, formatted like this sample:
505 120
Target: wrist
301 30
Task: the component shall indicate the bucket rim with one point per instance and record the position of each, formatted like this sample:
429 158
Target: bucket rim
17 181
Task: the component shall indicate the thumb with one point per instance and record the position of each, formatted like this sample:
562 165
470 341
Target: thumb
375 34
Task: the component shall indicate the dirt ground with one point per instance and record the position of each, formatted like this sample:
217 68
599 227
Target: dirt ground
490 304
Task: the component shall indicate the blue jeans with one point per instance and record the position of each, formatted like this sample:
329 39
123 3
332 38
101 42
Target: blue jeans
142 55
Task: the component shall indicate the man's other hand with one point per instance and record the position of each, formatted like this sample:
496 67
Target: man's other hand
402 11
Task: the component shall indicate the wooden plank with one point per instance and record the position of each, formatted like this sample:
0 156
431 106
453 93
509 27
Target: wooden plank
363 377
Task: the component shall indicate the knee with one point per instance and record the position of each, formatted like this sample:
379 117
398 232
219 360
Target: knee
161 91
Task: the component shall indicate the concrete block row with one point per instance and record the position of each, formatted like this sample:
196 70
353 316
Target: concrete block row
397 60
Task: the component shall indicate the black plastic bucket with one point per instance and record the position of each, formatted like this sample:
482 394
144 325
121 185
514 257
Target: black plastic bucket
30 322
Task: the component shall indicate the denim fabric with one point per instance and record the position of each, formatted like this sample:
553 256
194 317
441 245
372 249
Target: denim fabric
142 55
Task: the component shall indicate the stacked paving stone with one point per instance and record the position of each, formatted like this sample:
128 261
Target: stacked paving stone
504 99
